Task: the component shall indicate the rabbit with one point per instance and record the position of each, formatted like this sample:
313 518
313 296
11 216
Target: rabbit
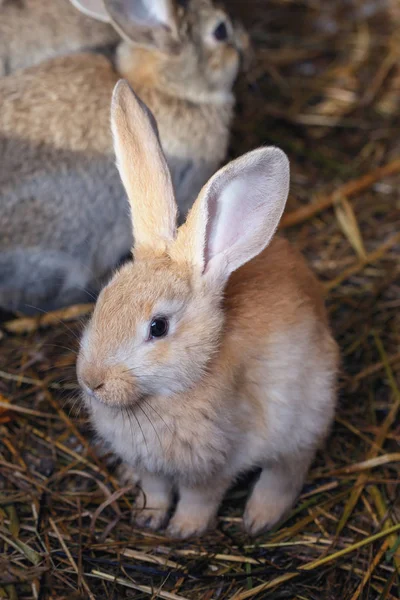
64 222
34 30
210 354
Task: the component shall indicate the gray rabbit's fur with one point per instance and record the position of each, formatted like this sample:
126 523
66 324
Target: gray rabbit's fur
32 31
64 221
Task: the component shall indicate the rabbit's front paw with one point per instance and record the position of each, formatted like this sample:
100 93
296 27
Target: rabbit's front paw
150 518
153 501
196 509
186 525
272 496
262 514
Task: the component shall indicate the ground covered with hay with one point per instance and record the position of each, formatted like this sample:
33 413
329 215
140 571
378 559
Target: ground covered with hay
323 84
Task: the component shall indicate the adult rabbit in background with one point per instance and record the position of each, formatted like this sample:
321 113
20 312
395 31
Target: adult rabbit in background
211 354
64 221
34 30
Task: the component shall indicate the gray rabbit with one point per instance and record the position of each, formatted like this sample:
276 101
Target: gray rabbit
64 222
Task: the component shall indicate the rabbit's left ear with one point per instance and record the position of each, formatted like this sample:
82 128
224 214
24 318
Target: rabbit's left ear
236 214
150 23
144 170
92 8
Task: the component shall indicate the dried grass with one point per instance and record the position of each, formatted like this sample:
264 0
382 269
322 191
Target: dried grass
322 86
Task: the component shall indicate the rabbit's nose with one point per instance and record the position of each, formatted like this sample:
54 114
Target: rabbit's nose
105 383
91 387
91 379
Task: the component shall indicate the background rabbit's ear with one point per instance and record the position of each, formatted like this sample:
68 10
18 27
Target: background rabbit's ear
143 169
236 214
150 23
92 8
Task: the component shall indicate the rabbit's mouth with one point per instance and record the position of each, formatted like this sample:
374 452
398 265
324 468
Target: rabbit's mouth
135 401
118 392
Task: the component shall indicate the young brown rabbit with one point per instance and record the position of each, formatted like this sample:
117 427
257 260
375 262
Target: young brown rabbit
32 31
211 354
64 223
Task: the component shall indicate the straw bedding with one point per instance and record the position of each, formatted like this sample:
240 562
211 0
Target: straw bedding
322 84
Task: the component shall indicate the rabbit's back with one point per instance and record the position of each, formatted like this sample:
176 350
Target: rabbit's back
63 102
56 149
34 30
61 196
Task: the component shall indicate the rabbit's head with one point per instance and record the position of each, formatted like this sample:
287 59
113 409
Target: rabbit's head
160 320
189 47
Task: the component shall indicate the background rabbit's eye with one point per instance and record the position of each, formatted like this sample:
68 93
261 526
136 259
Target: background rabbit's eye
159 327
221 32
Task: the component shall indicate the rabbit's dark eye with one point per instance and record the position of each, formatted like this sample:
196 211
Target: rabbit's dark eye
221 32
159 327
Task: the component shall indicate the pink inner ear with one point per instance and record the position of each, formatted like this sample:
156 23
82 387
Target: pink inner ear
92 8
233 214
243 203
145 13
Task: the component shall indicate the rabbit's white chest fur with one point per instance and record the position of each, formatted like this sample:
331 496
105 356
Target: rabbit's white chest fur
185 444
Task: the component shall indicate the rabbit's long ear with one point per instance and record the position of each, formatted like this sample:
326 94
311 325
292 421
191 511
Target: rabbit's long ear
143 169
92 8
235 215
151 23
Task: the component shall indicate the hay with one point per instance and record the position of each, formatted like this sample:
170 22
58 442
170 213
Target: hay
321 80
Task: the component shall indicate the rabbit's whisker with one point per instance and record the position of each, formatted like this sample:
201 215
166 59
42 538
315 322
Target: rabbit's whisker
46 312
151 423
158 414
128 413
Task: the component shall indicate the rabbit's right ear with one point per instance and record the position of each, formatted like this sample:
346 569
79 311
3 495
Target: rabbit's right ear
235 215
144 170
150 23
92 8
